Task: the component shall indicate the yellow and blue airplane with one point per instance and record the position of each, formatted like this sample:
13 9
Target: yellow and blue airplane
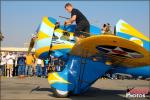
127 51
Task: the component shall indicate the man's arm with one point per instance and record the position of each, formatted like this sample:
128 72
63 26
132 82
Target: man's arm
71 20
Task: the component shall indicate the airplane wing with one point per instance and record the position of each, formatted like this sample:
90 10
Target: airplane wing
111 48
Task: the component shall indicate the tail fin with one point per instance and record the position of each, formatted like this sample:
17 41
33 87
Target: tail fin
125 30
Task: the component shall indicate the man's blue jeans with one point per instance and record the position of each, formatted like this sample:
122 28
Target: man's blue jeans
21 69
2 69
38 70
28 70
44 71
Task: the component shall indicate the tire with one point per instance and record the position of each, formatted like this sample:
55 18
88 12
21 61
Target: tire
60 94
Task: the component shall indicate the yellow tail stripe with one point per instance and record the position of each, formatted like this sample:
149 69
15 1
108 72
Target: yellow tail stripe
132 31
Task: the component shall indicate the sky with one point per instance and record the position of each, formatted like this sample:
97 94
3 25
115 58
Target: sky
20 19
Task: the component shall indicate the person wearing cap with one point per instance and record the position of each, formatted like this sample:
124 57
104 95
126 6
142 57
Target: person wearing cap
81 21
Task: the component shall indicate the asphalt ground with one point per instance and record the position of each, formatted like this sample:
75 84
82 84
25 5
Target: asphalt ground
34 88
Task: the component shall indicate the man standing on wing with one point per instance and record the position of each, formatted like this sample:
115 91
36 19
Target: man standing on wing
81 21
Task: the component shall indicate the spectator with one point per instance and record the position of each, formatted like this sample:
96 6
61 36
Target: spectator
39 64
106 29
56 64
59 64
51 63
15 67
29 63
53 68
21 66
2 65
9 61
44 70
33 65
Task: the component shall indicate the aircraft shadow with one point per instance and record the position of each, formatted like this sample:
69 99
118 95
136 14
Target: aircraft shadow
38 88
92 93
98 94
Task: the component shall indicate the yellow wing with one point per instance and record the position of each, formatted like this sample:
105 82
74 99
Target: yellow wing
118 50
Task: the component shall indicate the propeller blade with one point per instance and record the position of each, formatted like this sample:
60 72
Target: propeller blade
32 42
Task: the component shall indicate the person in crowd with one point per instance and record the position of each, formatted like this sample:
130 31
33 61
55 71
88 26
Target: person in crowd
59 65
51 63
21 65
46 64
15 67
39 65
33 65
9 61
106 29
53 68
2 64
29 63
56 64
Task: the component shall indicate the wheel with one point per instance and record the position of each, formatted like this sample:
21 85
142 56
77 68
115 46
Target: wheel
60 93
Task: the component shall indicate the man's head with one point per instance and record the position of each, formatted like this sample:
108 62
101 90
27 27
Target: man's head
68 7
10 53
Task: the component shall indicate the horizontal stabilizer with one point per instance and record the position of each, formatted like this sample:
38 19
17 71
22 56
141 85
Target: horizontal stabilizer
123 27
126 31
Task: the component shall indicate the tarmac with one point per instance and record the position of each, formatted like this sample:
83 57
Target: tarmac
33 88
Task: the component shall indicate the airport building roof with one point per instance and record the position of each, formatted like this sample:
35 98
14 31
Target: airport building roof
15 49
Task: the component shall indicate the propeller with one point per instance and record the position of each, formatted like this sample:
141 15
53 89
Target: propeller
57 25
32 42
